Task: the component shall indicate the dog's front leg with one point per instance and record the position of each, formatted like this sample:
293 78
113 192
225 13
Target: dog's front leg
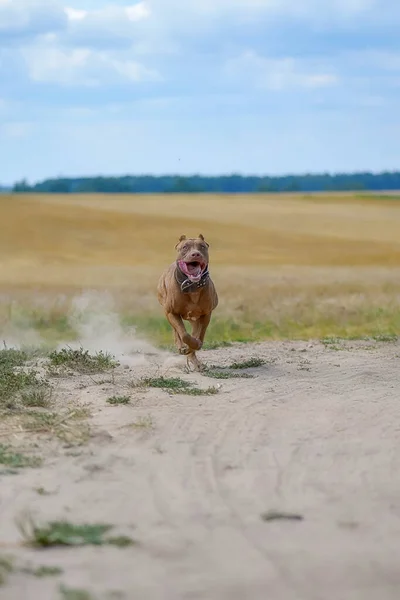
200 327
199 332
177 324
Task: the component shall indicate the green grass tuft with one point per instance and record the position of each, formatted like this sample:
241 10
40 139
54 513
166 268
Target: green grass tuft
276 515
173 384
388 337
11 358
230 371
118 400
121 541
251 363
6 567
63 533
82 361
13 383
39 396
20 386
42 491
176 385
16 460
210 391
43 571
226 374
74 594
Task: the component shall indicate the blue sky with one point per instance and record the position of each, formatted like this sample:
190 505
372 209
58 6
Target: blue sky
213 86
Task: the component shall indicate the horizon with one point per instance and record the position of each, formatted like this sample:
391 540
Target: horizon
387 181
244 175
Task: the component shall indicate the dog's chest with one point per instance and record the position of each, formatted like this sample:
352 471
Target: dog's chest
192 317
193 309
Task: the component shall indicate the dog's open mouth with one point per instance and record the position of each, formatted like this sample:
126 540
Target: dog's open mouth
193 270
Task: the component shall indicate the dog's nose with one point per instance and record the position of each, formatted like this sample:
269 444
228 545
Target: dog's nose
195 255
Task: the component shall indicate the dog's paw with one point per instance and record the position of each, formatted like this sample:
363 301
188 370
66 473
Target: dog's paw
185 350
194 362
192 342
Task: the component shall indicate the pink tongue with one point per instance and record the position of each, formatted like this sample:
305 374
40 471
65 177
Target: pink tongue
194 273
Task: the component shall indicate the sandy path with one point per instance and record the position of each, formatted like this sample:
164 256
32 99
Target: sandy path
316 432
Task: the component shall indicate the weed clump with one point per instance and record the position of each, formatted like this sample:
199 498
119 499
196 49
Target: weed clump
176 385
82 361
6 567
235 370
16 460
20 386
64 533
118 400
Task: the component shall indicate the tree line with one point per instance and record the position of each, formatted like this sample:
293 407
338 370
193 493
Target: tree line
174 184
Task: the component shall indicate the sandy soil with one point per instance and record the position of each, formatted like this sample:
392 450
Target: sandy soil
316 433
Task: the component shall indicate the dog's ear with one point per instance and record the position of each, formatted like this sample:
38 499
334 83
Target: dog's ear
183 237
201 237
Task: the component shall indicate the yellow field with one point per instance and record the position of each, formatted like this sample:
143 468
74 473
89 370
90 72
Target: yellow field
284 266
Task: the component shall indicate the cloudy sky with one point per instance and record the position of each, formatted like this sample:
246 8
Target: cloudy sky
209 86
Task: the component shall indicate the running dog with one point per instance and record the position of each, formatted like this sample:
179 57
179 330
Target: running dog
186 292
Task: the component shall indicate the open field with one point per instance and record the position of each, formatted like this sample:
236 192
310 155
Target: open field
269 475
285 266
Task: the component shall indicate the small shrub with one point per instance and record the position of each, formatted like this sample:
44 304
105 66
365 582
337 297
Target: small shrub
74 594
226 374
248 364
6 567
43 571
176 385
118 400
63 533
39 396
16 460
82 361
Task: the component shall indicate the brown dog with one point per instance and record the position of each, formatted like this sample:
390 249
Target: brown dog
185 291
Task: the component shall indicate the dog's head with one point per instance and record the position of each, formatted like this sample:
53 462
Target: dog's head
192 256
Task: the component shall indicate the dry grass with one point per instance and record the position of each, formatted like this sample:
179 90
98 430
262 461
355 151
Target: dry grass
287 266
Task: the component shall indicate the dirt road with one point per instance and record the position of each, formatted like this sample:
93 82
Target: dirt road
315 432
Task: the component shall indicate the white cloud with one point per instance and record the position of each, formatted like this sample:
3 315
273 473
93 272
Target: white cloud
277 74
110 13
74 14
171 20
138 11
30 17
105 42
110 26
95 47
115 19
82 66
